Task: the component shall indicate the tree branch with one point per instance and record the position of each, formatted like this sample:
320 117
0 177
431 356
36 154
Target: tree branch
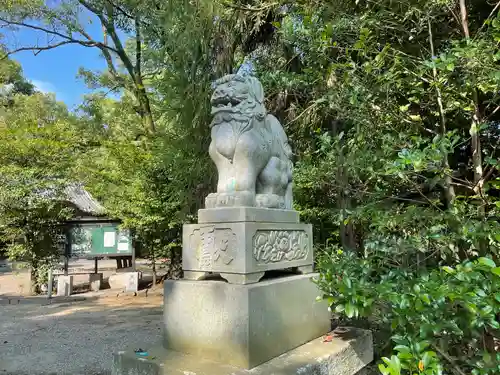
104 46
106 16
248 8
85 43
39 28
489 170
491 14
37 50
110 28
493 112
138 46
120 51
92 8
107 55
448 187
122 11
454 15
463 18
450 360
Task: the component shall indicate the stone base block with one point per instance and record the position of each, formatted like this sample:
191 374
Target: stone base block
348 352
131 281
64 286
245 248
95 280
242 325
127 281
246 214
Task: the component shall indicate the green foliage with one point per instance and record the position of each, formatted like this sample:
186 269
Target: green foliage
37 146
380 100
12 81
443 310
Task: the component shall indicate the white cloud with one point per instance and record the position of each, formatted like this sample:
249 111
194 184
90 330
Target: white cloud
44 86
47 87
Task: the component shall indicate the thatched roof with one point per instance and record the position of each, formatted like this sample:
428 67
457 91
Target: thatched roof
81 198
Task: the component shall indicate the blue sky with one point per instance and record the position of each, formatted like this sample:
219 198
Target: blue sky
55 70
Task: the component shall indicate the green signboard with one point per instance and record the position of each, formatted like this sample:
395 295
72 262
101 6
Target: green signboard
95 240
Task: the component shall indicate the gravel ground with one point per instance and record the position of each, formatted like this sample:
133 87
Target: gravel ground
76 338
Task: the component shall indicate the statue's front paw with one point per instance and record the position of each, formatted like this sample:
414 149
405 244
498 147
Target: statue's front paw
262 200
244 199
270 201
236 199
232 199
211 200
225 200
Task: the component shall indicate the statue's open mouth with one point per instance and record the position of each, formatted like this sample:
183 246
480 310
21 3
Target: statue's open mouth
224 103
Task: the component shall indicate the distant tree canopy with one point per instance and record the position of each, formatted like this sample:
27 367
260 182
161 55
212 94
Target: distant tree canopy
12 81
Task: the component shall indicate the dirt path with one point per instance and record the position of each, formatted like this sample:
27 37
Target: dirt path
76 338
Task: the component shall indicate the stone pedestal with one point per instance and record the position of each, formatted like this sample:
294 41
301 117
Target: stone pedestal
348 352
252 317
64 286
242 243
242 325
95 280
246 214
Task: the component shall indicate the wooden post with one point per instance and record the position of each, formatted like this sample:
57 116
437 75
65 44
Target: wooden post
66 265
50 284
67 251
133 260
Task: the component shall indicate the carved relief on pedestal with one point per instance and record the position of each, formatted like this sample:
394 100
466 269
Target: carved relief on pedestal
271 246
213 246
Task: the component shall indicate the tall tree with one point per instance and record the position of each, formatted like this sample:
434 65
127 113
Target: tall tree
38 145
62 24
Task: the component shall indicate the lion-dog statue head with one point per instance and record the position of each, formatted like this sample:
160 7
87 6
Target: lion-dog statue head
237 98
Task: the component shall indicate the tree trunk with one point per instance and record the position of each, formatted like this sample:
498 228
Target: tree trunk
34 287
152 257
142 95
145 107
154 272
133 70
477 160
347 239
449 191
477 164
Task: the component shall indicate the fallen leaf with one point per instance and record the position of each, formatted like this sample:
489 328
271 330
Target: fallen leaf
328 338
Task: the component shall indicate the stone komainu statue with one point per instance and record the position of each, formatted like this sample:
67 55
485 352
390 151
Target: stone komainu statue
249 148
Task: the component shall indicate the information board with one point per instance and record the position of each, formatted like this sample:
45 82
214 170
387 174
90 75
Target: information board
93 240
